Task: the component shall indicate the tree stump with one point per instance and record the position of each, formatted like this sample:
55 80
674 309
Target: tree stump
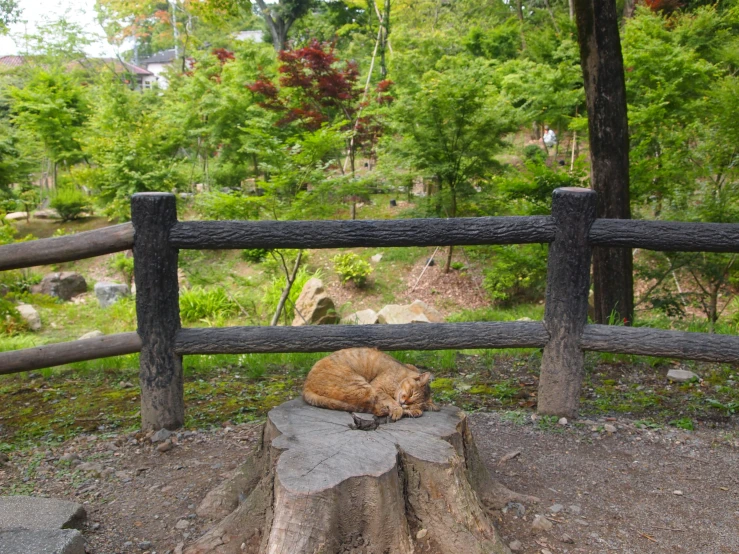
317 484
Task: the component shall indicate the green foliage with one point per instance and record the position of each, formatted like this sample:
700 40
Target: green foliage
351 267
254 255
124 266
683 423
273 292
11 322
518 273
7 232
206 305
70 203
52 107
228 206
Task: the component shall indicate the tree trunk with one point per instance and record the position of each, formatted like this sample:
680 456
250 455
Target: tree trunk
319 484
605 92
629 8
519 14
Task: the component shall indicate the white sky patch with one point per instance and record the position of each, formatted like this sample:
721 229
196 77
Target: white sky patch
35 12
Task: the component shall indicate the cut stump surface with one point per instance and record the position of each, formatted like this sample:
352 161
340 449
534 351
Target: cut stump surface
317 485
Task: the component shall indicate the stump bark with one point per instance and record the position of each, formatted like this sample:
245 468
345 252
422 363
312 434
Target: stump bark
317 485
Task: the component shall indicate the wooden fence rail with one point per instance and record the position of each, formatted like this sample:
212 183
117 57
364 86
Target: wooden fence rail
115 238
155 236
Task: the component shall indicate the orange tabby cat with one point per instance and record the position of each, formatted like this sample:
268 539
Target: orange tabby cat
367 380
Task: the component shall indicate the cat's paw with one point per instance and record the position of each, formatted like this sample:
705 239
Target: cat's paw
433 407
413 412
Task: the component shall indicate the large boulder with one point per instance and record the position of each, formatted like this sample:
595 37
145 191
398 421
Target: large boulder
314 306
417 312
110 293
362 317
62 285
30 316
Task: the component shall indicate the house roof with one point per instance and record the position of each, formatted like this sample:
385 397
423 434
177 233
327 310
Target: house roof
12 61
163 56
118 66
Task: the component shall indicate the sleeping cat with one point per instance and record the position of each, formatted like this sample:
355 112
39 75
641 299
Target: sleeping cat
367 380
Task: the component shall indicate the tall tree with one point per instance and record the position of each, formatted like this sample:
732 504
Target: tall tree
280 17
605 94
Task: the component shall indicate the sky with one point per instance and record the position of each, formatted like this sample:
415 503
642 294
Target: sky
34 12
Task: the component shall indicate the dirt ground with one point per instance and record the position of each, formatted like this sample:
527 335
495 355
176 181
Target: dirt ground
635 490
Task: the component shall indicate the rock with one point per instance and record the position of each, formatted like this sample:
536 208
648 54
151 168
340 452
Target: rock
314 306
16 216
524 319
567 539
145 545
30 316
520 509
541 523
376 258
575 510
29 512
417 312
92 335
41 541
421 534
681 376
109 293
562 421
69 457
362 317
515 546
610 428
161 435
91 467
166 446
556 508
125 385
677 493
47 213
64 285
182 524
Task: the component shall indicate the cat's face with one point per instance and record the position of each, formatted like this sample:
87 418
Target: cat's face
414 390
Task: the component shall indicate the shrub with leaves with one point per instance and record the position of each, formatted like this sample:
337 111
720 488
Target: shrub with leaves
11 322
70 203
351 267
124 266
201 304
254 255
519 272
228 205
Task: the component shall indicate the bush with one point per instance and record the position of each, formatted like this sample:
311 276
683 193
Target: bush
534 153
254 255
518 273
274 288
11 322
351 267
70 203
225 205
200 304
124 266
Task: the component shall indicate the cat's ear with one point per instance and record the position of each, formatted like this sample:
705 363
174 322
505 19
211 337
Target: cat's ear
424 379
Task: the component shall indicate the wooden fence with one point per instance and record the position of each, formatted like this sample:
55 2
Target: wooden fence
571 231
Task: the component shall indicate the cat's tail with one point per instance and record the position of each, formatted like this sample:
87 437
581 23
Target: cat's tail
324 402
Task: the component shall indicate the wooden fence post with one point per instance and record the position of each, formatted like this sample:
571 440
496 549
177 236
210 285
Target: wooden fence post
566 310
157 310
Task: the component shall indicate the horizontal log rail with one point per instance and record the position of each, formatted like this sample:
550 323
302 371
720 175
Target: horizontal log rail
50 355
327 338
366 233
644 341
88 244
665 235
